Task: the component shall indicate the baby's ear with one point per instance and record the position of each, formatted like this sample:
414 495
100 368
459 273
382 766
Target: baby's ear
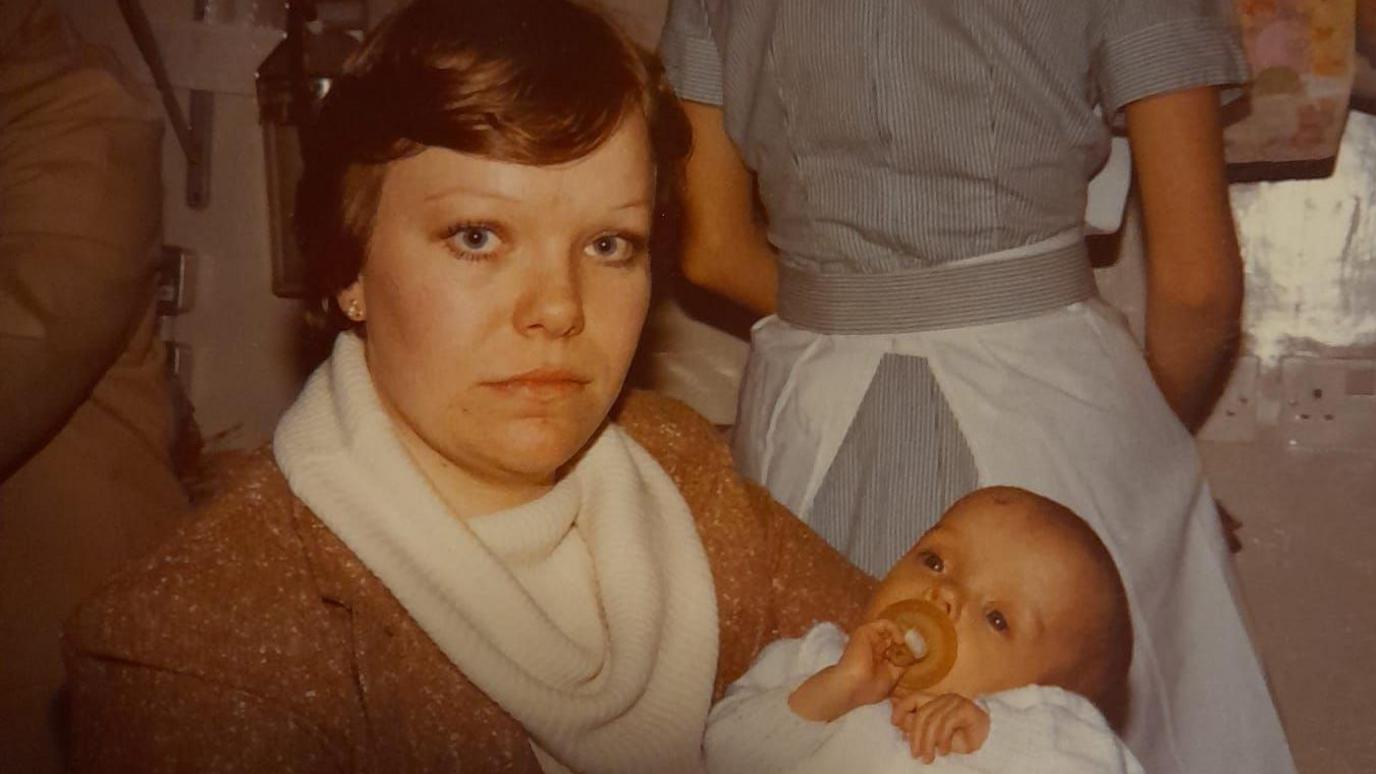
1079 666
1096 667
1113 702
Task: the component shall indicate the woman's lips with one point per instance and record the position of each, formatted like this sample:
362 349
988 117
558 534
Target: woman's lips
541 383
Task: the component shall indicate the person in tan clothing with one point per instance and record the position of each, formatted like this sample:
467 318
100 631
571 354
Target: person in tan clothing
467 548
283 652
86 479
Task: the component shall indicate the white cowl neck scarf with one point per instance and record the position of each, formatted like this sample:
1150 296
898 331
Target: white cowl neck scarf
589 614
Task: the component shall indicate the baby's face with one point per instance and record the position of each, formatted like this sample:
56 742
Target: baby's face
1010 589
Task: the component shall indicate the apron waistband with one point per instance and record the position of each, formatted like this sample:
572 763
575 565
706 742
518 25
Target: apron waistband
994 288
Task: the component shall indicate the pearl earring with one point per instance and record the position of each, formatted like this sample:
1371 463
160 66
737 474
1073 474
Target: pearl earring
354 311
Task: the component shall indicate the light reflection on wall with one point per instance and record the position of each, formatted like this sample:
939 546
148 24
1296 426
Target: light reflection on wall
1310 248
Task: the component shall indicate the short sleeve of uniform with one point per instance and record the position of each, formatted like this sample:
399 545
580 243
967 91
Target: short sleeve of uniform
1149 47
691 59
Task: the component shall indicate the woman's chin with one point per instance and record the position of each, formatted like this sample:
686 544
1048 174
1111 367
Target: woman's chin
541 449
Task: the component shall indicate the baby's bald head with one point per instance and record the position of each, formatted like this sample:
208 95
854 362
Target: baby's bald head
1090 611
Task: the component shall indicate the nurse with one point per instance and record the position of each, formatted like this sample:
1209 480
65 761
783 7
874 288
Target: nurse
923 171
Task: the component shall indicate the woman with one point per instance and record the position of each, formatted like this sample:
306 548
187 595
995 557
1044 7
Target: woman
451 560
923 170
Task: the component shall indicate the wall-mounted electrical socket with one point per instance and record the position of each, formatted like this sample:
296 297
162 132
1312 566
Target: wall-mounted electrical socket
1328 402
176 281
179 364
1235 415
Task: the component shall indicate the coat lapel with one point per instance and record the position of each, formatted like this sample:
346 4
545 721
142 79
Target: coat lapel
418 712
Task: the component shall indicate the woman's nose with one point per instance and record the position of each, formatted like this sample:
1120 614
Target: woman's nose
552 304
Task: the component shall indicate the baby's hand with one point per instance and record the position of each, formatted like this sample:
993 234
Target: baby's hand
870 676
940 725
862 676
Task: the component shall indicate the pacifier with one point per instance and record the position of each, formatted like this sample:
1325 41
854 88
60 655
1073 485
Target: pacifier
928 650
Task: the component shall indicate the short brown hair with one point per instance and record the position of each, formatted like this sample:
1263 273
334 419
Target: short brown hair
527 81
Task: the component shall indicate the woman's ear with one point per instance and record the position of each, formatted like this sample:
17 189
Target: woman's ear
351 301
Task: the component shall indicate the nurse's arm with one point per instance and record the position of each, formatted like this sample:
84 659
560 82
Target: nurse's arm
1194 269
725 249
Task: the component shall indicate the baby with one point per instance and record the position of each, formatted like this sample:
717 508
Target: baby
1042 637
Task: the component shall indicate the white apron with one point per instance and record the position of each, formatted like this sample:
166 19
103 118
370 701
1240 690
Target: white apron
1063 404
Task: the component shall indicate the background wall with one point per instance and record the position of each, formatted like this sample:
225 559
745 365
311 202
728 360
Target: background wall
1303 484
1291 448
240 340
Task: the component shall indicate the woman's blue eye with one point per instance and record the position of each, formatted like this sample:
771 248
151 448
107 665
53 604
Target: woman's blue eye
932 561
613 248
473 242
996 620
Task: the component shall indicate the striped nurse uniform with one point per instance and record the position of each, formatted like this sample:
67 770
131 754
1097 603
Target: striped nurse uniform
924 166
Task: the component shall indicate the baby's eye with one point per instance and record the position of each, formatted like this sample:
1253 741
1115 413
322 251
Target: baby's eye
932 561
607 245
996 620
474 238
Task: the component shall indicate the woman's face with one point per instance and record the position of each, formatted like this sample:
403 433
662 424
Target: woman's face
503 304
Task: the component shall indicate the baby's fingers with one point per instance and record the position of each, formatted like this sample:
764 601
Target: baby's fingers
878 632
945 722
960 741
887 628
972 730
907 705
951 727
882 635
923 739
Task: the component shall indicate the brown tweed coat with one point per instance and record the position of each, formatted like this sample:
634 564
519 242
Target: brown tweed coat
255 641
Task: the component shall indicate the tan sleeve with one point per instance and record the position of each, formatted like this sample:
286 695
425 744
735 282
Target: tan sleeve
811 581
774 576
185 724
80 201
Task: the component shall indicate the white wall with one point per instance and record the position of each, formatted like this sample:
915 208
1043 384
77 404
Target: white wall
1305 486
241 338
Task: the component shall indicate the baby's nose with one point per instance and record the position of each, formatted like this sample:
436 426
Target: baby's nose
945 598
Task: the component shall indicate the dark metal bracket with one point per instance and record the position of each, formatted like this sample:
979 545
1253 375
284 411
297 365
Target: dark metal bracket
193 135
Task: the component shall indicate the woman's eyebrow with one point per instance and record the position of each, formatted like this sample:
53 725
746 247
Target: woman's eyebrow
638 203
466 190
